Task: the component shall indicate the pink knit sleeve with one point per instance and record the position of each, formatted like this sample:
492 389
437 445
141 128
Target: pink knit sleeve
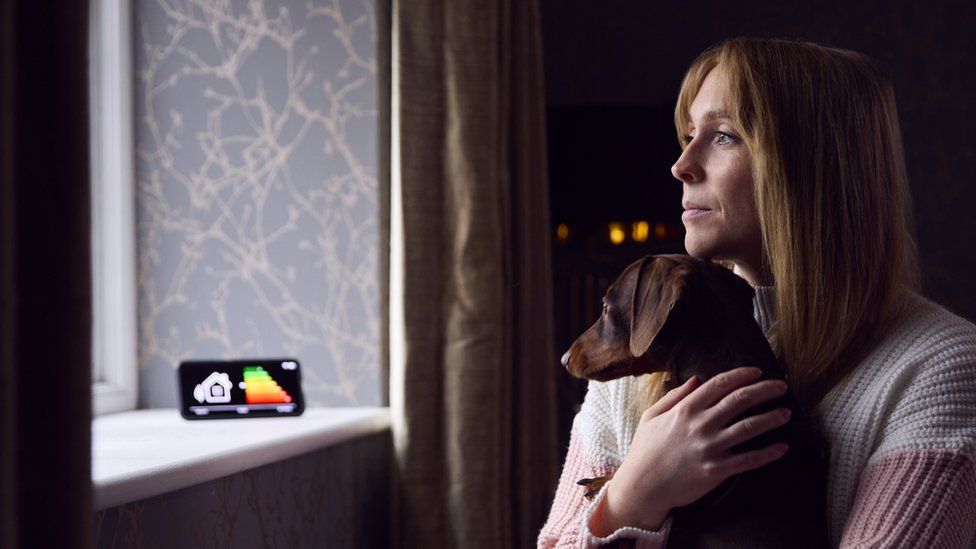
566 525
919 488
915 498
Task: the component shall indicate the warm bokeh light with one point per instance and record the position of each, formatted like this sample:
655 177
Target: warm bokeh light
660 231
617 234
639 231
562 231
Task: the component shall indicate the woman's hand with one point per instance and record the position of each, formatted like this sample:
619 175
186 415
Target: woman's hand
680 450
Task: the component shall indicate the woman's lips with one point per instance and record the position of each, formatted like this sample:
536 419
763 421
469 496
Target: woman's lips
693 212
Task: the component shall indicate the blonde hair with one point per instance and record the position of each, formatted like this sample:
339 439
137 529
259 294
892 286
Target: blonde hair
832 196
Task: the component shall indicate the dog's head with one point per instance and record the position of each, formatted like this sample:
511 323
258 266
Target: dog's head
648 310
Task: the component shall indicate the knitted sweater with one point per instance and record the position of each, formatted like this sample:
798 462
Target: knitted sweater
901 428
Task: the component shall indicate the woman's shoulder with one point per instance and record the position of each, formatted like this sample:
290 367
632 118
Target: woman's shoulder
928 328
918 386
607 417
932 402
926 342
609 402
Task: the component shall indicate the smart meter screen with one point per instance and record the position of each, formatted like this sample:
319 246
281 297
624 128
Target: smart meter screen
224 389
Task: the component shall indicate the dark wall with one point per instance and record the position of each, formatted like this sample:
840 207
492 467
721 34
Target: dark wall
631 56
298 503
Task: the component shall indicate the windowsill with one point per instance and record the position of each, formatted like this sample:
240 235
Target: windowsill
144 453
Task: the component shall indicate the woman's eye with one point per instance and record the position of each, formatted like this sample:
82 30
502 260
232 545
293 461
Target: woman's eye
723 138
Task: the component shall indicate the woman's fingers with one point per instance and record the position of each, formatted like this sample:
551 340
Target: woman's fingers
671 398
750 427
742 400
718 387
746 461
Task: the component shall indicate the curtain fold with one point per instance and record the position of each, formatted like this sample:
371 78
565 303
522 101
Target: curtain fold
472 368
45 281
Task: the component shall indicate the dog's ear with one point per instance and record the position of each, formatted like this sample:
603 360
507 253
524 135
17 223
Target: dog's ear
658 287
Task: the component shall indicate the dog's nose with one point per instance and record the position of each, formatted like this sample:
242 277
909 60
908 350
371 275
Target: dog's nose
565 359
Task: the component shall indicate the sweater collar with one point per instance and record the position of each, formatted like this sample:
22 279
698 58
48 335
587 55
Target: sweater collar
764 304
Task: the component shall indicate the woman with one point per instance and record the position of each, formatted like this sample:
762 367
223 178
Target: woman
793 173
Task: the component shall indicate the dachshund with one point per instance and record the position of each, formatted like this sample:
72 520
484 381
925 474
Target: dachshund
688 316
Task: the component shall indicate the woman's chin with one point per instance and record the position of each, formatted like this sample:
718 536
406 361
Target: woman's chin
700 248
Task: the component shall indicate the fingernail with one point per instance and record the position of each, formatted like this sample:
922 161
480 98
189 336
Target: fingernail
754 372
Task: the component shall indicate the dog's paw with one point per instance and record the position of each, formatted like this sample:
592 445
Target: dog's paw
592 486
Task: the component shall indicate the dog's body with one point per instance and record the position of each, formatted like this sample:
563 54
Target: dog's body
690 317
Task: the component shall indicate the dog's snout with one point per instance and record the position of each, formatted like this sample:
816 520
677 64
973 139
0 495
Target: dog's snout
565 359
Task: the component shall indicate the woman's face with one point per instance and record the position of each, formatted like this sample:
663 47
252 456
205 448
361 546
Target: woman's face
720 215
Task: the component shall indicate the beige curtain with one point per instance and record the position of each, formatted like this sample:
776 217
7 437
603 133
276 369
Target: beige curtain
472 384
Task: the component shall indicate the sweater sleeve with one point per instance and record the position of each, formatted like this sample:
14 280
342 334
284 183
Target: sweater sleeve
589 456
919 486
922 498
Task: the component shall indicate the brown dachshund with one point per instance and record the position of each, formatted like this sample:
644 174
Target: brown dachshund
687 316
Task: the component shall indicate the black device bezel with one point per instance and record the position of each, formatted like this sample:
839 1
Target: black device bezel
237 366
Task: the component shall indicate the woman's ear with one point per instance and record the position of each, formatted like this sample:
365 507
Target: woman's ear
660 283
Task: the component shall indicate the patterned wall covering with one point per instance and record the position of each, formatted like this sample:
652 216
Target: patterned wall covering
256 143
297 503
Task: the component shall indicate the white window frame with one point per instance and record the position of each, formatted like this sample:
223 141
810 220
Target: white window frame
114 331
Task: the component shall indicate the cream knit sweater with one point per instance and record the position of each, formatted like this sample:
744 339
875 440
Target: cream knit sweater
902 431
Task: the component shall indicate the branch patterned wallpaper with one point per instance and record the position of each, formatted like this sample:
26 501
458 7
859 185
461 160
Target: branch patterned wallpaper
256 137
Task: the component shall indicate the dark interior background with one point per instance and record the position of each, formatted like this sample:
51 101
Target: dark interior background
612 75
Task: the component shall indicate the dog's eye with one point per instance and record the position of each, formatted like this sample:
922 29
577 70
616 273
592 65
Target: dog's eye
605 308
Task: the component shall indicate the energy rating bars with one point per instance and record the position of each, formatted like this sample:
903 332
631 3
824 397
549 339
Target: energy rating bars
259 388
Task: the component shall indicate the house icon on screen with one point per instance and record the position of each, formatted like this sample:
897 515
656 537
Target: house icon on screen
214 389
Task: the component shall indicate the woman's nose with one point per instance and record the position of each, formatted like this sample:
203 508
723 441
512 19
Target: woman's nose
685 169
